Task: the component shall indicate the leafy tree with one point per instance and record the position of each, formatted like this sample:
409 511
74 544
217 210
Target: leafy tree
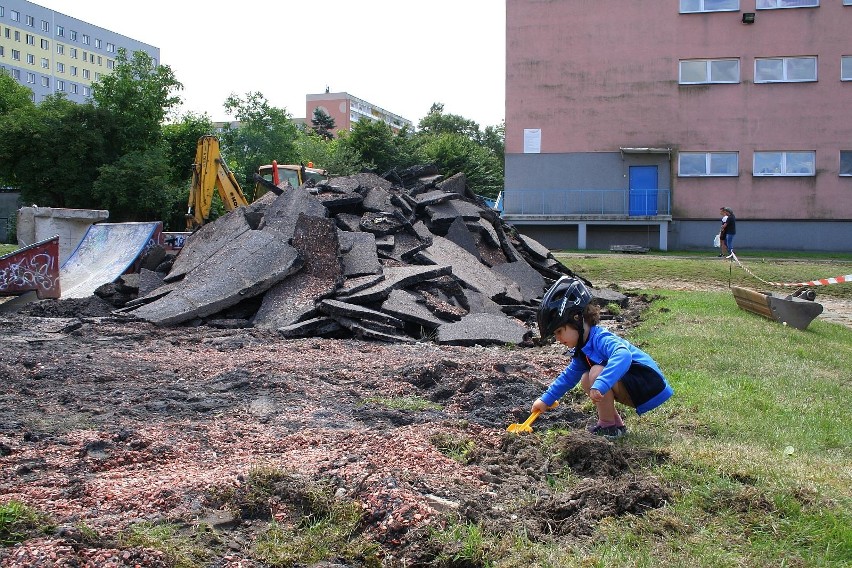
181 138
12 94
436 122
137 186
52 151
332 155
266 133
323 124
374 141
454 153
140 94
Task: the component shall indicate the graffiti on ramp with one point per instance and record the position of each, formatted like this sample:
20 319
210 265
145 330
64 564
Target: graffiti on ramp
105 253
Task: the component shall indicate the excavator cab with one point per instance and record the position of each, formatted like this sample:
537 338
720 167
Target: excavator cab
294 174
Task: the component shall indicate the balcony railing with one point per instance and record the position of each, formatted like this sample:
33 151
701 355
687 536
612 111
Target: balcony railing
615 202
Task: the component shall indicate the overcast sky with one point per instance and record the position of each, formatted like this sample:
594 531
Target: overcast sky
402 55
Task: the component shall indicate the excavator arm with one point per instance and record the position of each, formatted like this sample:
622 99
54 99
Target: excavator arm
208 172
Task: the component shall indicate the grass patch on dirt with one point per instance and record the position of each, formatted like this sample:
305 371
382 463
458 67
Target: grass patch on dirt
757 433
18 522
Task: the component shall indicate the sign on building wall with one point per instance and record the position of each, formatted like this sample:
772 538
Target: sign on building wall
532 140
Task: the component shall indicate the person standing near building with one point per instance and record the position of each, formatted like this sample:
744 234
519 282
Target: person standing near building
728 231
724 215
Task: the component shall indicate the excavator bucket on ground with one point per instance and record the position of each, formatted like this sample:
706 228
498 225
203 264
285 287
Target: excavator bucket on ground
796 310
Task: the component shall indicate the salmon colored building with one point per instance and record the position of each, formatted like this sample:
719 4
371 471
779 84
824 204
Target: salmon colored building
633 122
346 110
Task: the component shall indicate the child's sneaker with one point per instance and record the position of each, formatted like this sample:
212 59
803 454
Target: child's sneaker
609 432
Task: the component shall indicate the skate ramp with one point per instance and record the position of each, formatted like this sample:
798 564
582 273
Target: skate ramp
106 252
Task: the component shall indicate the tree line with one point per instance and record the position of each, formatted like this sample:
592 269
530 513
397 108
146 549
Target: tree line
125 151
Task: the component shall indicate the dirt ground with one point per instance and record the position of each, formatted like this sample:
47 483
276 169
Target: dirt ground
106 424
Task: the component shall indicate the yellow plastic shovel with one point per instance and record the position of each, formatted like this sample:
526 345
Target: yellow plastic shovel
527 425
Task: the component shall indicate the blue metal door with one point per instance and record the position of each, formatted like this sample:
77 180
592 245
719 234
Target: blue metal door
643 190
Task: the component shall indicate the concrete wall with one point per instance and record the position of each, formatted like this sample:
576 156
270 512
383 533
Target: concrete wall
39 223
599 75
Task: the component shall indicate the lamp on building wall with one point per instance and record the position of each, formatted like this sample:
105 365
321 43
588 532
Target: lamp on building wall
748 17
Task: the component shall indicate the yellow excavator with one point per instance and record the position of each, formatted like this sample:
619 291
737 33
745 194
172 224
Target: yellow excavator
209 172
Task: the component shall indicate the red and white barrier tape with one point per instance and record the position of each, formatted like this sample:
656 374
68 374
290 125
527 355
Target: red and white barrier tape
821 282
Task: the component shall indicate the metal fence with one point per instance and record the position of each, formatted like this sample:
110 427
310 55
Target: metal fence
636 202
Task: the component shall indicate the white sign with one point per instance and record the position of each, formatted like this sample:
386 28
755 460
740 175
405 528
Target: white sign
532 140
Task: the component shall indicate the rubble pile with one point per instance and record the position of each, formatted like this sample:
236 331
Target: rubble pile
398 258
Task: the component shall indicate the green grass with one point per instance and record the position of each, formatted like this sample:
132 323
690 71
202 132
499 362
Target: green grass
6 249
758 431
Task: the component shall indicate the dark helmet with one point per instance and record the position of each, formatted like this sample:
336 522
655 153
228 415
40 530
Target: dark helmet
563 304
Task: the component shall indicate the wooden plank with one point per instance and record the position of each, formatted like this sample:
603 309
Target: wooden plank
752 301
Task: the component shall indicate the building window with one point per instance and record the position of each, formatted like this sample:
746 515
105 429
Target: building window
699 71
784 164
31 21
16 55
60 31
45 27
30 39
691 6
699 164
73 53
86 40
60 67
45 81
17 35
785 69
2 11
60 49
97 43
16 74
45 64
73 88
773 4
91 58
31 78
97 76
846 65
2 51
14 15
100 61
31 59
45 44
73 71
60 85
8 33
87 91
110 64
85 73
73 35
846 155
110 47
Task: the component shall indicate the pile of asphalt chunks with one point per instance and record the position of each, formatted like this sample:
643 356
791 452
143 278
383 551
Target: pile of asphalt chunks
406 257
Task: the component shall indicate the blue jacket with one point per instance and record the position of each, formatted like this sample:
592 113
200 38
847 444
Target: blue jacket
617 355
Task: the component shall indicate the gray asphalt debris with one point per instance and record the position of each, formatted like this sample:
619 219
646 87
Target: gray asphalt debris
405 257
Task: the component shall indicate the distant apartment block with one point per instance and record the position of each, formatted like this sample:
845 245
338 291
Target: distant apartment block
634 122
346 110
50 52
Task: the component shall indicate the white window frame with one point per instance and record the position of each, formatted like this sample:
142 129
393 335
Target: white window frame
73 53
60 67
86 73
45 81
73 35
776 4
784 69
45 63
110 47
31 59
97 43
15 16
86 40
782 164
31 21
74 88
45 26
708 164
31 78
846 64
60 31
2 51
16 55
60 49
60 85
2 11
45 43
29 39
846 153
73 71
708 71
702 7
87 91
